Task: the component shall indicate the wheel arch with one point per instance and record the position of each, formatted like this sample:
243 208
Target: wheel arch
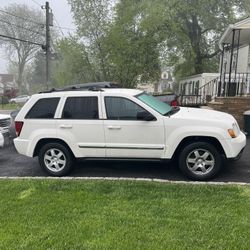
44 141
192 139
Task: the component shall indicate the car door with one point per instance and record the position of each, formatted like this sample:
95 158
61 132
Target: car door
127 136
80 125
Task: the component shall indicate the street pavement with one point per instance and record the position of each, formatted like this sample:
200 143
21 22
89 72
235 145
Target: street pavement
12 164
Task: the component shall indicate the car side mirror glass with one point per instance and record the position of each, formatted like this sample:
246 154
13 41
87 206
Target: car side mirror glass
145 116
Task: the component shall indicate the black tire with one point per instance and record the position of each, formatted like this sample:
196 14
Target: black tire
196 165
62 163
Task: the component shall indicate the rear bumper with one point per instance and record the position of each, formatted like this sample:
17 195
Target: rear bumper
22 146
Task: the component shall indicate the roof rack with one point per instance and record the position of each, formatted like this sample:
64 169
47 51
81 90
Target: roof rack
92 86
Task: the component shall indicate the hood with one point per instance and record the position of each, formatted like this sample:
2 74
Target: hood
2 116
204 115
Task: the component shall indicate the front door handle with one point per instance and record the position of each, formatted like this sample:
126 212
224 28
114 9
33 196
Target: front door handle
114 127
66 126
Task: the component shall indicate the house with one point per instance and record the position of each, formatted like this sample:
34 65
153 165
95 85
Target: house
7 84
146 87
235 60
229 91
165 84
233 77
190 85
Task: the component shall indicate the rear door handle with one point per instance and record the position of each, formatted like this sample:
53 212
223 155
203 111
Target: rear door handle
114 127
66 126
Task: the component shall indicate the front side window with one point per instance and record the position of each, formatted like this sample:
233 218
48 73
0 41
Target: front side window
43 109
119 108
82 108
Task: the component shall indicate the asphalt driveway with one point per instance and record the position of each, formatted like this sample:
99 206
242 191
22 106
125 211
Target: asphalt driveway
13 164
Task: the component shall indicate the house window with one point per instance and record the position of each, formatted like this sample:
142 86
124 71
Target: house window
164 75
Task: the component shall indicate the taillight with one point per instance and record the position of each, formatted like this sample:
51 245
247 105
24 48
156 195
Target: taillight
18 126
174 103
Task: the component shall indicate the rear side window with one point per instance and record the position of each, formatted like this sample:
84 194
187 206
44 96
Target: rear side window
43 109
82 108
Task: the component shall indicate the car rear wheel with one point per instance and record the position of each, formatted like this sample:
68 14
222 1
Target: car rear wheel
200 161
56 159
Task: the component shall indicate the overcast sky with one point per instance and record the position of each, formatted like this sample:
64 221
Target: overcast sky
60 8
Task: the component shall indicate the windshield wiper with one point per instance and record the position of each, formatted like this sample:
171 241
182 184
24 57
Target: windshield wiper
172 111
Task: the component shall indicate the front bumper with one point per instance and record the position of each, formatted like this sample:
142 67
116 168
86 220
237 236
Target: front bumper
235 146
237 157
1 140
5 137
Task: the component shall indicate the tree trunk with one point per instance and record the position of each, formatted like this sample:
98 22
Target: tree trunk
195 38
20 75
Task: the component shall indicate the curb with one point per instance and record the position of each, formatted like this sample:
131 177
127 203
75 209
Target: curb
127 179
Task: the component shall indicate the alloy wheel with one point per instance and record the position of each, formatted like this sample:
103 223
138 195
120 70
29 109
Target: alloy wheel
200 161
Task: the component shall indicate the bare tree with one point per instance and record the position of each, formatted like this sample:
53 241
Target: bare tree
24 23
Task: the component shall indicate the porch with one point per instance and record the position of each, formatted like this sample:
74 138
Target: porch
234 76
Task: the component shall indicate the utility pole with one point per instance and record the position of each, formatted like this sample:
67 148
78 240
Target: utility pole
47 44
47 48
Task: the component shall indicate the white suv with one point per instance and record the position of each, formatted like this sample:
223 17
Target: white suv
61 126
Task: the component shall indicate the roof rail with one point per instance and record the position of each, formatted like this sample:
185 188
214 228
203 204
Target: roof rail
93 86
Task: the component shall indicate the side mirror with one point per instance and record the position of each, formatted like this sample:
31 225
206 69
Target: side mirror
145 116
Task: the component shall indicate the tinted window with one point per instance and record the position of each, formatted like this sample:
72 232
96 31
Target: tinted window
81 108
118 108
43 109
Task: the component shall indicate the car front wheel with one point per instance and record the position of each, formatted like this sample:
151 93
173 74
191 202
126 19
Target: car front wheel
56 159
200 161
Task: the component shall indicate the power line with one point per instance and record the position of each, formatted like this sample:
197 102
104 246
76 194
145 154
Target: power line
58 25
41 6
26 19
64 28
22 40
1 20
36 3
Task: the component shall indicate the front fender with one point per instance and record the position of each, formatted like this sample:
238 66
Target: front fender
177 135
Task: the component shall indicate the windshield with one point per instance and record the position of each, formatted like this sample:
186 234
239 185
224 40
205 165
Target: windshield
154 103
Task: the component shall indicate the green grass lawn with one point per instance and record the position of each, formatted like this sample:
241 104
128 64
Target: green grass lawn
76 214
10 106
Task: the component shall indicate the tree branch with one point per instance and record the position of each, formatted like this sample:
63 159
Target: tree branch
208 56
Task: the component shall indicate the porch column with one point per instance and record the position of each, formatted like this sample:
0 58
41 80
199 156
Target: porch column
231 61
237 55
221 69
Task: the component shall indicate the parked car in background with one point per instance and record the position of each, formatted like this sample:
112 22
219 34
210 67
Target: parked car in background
171 99
20 99
12 129
5 124
124 123
1 140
